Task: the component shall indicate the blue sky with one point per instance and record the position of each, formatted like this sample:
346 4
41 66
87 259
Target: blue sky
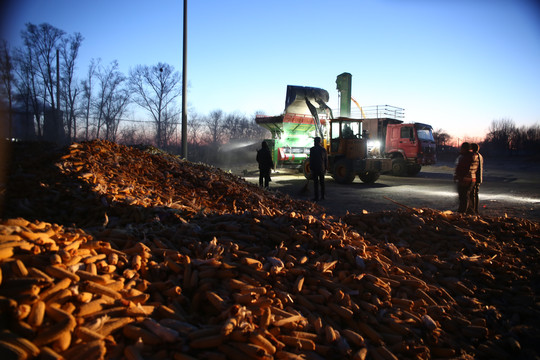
457 65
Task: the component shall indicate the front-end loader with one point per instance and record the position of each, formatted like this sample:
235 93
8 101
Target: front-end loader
349 153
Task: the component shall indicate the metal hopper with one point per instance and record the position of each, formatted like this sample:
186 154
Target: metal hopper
303 118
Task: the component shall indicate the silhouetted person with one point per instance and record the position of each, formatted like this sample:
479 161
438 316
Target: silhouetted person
465 176
473 206
318 162
347 132
264 158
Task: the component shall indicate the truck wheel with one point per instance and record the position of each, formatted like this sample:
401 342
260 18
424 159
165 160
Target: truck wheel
306 169
343 172
399 167
413 170
369 177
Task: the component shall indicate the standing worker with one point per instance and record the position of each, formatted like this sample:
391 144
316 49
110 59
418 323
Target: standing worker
479 177
465 176
264 158
318 162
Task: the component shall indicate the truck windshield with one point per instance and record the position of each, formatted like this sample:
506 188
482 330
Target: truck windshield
425 134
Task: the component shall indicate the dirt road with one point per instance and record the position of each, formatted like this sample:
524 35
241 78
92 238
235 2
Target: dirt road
509 188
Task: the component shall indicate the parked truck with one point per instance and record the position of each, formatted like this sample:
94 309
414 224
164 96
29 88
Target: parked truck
409 145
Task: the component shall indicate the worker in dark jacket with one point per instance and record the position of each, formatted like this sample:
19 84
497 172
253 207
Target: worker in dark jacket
318 163
264 158
465 176
473 207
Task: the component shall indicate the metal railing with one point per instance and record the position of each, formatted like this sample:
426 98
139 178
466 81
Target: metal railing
375 112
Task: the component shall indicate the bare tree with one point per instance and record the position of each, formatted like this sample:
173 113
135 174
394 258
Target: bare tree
214 126
7 82
155 88
235 126
526 140
132 134
532 144
257 131
501 134
239 127
87 88
112 100
441 137
70 90
171 124
45 72
195 129
30 90
41 42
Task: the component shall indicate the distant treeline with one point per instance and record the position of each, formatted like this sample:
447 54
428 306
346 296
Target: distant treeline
504 138
42 97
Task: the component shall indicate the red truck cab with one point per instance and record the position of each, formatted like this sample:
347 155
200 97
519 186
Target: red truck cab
410 146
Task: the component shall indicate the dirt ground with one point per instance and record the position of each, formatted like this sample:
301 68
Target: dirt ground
511 188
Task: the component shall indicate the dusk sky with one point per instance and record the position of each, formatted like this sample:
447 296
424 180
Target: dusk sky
457 65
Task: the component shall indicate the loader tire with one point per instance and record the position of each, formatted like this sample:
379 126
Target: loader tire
413 170
343 171
399 167
369 177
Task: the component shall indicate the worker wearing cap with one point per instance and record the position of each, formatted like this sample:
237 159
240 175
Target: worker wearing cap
473 207
318 162
465 176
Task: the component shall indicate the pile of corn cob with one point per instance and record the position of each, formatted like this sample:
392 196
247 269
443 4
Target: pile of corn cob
112 252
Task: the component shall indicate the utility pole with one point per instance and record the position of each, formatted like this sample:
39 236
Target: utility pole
184 87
